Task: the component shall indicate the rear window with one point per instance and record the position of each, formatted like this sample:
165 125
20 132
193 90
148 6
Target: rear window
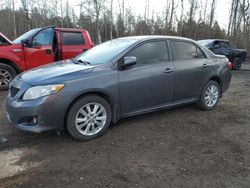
186 51
72 38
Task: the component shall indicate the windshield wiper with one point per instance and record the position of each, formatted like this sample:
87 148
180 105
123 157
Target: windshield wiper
79 61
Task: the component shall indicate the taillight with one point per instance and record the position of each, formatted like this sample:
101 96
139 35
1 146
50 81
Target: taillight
230 65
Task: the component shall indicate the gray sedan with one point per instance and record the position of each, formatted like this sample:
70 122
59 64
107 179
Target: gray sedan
117 79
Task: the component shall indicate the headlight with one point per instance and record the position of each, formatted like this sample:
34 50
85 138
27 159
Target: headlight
41 91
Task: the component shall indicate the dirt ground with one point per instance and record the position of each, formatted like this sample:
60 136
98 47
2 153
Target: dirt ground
182 147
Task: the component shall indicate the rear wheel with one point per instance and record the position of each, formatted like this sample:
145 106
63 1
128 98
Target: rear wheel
237 64
89 117
210 96
7 73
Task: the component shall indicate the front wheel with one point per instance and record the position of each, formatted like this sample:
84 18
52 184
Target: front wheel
7 73
210 96
88 118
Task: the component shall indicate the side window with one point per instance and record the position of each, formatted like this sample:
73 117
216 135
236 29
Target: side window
217 48
72 38
226 45
151 52
217 43
186 51
44 37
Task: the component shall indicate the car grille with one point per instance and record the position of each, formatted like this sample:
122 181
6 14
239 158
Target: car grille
13 91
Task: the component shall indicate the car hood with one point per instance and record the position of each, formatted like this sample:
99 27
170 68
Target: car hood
4 38
58 72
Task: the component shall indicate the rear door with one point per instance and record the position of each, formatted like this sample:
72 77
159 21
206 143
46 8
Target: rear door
192 69
72 43
149 83
41 52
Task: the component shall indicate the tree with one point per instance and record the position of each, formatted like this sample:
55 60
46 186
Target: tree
14 18
181 18
212 13
25 4
94 8
173 7
104 20
111 17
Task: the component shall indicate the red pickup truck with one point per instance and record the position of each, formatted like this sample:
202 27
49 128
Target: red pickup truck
39 47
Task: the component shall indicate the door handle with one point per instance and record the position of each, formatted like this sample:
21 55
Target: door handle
48 51
168 70
205 65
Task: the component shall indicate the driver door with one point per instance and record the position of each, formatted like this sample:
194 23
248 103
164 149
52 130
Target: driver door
41 52
149 83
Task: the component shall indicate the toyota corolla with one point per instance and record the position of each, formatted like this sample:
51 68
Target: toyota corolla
117 79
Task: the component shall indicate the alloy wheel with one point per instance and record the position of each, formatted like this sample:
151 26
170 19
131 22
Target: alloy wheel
91 118
211 95
5 77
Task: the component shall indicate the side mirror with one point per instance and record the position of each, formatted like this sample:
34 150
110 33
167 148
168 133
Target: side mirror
26 43
129 61
216 46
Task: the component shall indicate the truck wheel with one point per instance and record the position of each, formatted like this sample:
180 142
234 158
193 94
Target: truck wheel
88 118
7 73
237 63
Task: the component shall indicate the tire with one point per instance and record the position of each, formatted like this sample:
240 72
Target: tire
7 74
83 125
237 64
204 103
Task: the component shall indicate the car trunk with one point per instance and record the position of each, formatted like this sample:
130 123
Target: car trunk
4 40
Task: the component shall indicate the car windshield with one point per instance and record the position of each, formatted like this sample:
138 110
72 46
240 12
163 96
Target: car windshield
104 52
25 36
205 43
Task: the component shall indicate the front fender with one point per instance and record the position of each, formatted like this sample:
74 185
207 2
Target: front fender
103 83
14 54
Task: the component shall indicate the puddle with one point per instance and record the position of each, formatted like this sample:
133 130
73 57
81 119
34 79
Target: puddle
10 164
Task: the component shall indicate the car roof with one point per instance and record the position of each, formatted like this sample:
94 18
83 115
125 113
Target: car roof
151 37
69 29
63 29
212 40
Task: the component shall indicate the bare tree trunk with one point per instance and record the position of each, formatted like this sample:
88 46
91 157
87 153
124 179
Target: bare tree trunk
234 23
181 18
99 40
111 24
14 19
212 13
205 12
191 15
245 7
167 16
97 6
229 30
61 12
123 17
171 16
25 7
123 11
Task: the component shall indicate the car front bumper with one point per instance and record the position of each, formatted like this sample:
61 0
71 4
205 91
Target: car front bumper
39 115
